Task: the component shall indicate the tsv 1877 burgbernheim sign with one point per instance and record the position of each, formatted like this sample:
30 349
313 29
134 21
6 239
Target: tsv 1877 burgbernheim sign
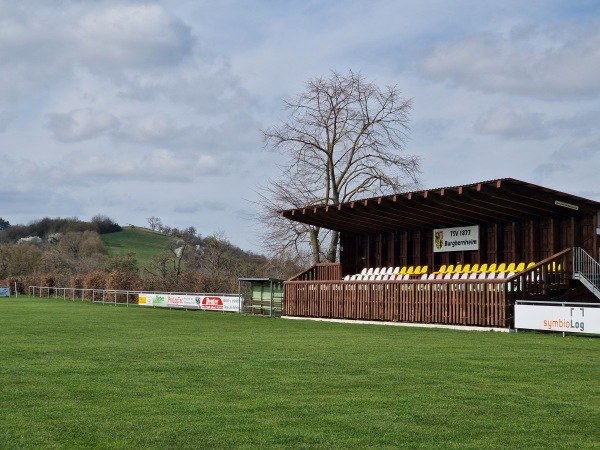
456 239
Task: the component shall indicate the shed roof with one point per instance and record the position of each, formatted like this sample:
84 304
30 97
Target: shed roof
487 201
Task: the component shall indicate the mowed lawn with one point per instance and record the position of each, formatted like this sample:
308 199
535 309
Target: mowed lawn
82 375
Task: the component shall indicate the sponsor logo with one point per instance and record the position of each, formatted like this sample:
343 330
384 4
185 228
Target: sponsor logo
212 303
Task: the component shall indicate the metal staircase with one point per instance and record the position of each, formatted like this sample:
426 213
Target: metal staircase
587 270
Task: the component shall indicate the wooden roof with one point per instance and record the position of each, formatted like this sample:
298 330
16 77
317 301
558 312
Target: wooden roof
488 201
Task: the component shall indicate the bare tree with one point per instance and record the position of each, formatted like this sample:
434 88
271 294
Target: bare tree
344 139
155 223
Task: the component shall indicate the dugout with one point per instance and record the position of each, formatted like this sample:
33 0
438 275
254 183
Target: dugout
262 296
515 222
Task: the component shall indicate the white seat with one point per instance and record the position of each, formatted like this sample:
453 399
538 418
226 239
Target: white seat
369 271
347 277
390 271
364 271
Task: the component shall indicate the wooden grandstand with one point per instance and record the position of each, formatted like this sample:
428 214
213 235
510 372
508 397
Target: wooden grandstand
534 243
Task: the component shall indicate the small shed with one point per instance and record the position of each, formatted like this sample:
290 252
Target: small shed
262 296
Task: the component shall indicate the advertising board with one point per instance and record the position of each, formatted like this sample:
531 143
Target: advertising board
568 318
210 302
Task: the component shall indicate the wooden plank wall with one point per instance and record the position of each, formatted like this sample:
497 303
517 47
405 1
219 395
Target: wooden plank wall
456 302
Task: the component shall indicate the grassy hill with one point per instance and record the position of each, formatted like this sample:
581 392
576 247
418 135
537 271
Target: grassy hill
141 241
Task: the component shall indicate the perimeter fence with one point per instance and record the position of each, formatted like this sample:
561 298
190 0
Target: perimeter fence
175 300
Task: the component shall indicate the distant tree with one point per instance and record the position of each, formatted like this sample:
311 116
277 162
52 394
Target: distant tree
4 224
344 139
105 224
155 223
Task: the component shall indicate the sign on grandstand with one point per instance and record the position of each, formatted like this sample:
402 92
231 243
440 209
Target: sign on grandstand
456 239
564 317
211 302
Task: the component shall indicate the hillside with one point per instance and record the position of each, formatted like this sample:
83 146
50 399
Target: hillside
141 241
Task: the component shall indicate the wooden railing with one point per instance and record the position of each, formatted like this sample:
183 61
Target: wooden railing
320 272
451 302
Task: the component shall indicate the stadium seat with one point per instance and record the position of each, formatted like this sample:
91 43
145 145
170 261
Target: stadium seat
483 267
520 267
474 268
410 270
531 264
511 267
466 268
364 271
369 271
457 268
450 269
441 270
492 267
501 267
424 269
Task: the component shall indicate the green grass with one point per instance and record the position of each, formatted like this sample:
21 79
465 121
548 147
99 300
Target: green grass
80 375
141 241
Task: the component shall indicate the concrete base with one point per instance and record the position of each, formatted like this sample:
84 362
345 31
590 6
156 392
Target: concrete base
401 324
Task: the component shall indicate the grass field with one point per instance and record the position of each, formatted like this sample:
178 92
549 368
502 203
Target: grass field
81 375
143 242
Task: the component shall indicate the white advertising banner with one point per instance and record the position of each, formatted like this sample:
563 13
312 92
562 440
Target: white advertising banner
568 318
228 303
456 239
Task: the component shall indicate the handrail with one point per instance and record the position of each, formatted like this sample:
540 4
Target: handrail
320 271
587 270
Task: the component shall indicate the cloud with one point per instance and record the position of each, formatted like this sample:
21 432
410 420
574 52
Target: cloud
81 124
131 36
543 62
584 148
147 128
511 123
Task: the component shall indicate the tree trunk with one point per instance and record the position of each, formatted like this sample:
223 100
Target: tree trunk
333 245
314 245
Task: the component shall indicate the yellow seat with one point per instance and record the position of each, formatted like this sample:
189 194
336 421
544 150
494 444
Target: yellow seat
417 270
410 270
474 268
450 268
424 269
403 270
531 264
442 269
458 268
511 267
501 267
483 267
492 267
520 267
466 268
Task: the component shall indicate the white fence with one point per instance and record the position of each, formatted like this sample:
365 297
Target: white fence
171 300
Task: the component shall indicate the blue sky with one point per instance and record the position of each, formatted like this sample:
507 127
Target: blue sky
136 109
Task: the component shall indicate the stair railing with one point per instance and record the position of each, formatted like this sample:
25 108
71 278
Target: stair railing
587 270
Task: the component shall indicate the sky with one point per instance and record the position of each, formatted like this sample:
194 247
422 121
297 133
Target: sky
137 109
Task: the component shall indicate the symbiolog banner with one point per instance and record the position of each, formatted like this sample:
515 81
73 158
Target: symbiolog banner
569 318
456 239
228 303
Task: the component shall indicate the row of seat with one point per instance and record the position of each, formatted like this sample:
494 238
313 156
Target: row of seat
406 270
476 268
459 271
